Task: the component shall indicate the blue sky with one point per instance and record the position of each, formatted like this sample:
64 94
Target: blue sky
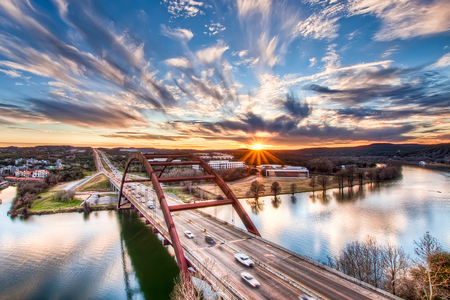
224 74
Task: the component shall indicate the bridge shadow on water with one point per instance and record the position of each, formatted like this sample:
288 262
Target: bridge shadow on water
155 269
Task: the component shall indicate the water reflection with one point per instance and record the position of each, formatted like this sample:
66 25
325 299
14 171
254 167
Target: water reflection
276 202
257 205
101 255
321 224
293 199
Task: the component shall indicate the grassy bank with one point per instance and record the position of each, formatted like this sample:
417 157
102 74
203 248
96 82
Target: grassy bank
44 201
99 183
73 209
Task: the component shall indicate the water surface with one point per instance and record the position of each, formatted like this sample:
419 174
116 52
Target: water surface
318 224
101 255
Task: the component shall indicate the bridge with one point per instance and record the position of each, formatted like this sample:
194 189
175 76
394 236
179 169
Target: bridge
282 273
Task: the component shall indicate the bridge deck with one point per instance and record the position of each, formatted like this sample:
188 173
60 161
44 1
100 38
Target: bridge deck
282 274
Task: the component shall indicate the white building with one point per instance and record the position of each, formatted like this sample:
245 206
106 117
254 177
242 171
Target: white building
286 171
223 164
40 174
18 161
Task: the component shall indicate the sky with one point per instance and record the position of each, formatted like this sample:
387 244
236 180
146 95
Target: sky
224 74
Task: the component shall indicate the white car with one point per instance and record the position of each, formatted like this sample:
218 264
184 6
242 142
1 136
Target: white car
189 234
247 277
244 259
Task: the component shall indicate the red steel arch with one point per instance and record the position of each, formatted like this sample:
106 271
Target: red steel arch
154 171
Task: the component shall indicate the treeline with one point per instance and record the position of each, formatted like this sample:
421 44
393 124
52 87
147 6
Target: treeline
391 269
26 193
28 190
347 177
64 175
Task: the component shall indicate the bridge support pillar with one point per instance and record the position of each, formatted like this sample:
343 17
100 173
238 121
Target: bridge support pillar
155 231
166 242
147 222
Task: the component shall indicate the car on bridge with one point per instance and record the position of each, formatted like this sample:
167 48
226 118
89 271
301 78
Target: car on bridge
210 240
244 259
151 205
189 234
248 278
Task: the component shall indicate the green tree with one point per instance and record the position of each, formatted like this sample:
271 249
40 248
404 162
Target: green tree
432 272
275 188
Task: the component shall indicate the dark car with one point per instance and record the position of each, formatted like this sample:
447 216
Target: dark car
210 240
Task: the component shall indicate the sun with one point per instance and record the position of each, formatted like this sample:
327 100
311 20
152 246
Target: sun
257 147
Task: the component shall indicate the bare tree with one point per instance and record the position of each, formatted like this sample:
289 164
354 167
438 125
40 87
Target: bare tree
361 175
184 289
293 188
275 188
339 177
362 261
313 183
256 189
395 264
323 180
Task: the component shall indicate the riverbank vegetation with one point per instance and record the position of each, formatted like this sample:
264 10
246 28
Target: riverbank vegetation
29 191
390 268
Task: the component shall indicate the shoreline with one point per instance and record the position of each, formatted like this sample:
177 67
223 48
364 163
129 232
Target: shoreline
69 210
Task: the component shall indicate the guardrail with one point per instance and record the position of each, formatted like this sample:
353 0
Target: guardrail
309 260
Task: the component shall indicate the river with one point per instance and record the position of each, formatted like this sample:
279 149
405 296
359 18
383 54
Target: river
318 225
113 255
101 255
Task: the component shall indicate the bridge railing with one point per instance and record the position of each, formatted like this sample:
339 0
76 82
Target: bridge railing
226 291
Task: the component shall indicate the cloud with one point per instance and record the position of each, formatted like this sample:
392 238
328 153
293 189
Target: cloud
117 61
212 54
295 107
184 8
442 62
312 62
394 86
11 73
143 136
251 7
406 19
214 28
322 24
179 62
181 34
98 114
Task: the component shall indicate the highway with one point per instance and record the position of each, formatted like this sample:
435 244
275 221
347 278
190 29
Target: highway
282 275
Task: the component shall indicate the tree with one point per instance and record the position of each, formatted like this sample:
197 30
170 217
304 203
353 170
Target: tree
323 180
293 188
362 261
350 176
313 183
339 178
256 189
431 266
435 280
395 265
275 188
361 175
